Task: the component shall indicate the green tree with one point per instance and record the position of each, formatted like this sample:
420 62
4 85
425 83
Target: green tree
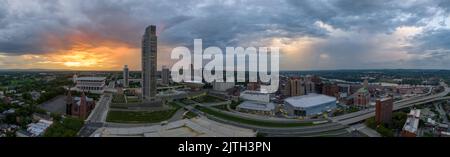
27 96
386 132
398 120
69 127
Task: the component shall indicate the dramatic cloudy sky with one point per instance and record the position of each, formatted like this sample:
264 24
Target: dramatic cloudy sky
312 34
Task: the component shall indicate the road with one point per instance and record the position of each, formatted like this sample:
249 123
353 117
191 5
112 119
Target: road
340 123
97 117
339 126
99 113
442 113
361 127
327 129
367 113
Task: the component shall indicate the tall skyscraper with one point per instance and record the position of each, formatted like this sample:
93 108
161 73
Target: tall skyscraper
149 53
165 75
126 76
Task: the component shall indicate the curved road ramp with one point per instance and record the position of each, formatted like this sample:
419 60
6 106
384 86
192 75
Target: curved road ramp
196 127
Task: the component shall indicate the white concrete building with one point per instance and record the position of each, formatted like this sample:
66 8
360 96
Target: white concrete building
308 105
255 107
255 96
91 84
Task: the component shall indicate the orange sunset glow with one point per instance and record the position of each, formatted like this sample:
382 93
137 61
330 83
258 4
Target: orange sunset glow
81 51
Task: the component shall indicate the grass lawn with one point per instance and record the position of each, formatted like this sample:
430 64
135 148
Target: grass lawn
234 104
118 98
250 121
221 107
189 115
133 100
69 127
139 116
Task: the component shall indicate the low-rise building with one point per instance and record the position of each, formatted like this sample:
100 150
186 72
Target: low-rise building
38 129
90 84
362 98
79 107
308 105
255 107
222 86
194 85
412 124
35 95
23 133
255 96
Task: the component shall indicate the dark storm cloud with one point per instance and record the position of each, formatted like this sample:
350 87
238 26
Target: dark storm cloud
218 23
433 40
432 48
35 27
366 15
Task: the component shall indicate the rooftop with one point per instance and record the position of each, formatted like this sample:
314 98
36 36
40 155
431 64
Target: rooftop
412 123
91 78
309 100
37 129
362 90
253 105
252 92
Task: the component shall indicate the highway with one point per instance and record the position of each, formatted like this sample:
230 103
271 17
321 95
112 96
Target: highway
327 129
367 113
339 126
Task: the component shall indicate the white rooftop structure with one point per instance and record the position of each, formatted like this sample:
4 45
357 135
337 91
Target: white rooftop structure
309 100
412 123
91 78
90 84
309 105
255 96
37 129
196 127
254 105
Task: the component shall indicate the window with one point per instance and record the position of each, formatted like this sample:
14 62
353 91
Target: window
299 112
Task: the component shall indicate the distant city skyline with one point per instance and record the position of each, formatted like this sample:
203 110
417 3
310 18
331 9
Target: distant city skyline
312 34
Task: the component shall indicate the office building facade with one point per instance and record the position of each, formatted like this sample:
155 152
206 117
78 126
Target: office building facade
383 110
126 75
149 56
165 75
